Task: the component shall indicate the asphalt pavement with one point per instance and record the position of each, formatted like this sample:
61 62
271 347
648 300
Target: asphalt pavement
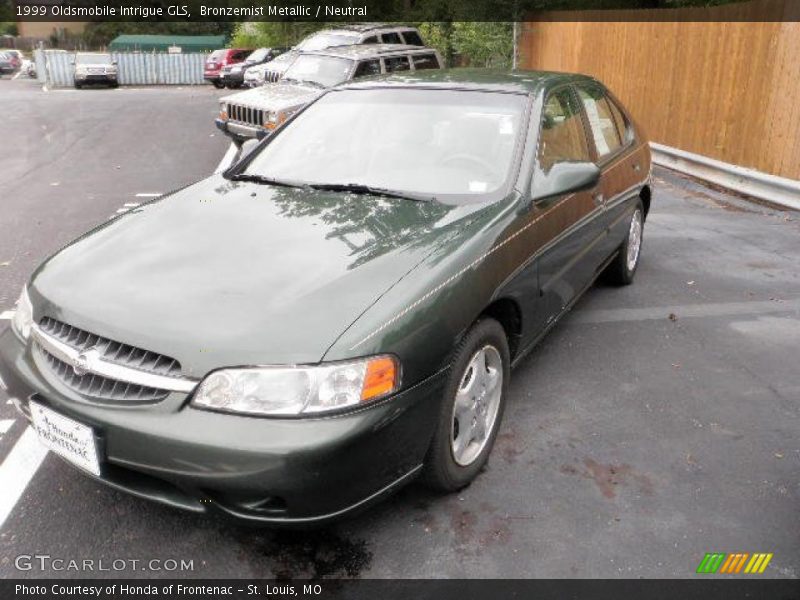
656 423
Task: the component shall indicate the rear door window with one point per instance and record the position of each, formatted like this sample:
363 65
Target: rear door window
392 38
425 61
606 136
373 39
397 63
412 38
368 67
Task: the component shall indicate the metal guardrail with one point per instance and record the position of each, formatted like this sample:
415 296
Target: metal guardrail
55 69
750 182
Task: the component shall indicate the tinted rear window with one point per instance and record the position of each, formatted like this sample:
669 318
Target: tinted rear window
412 38
391 38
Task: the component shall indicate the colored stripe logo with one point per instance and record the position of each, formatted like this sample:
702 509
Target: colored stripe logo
738 562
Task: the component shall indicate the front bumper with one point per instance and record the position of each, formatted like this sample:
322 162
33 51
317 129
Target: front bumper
96 78
240 132
233 78
278 471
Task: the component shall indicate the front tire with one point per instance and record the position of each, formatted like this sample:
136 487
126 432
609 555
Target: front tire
472 408
623 268
218 84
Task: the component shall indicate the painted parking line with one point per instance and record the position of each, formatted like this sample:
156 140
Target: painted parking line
148 195
715 309
18 469
5 425
7 314
131 204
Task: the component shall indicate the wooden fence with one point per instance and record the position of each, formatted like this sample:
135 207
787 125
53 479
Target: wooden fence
721 87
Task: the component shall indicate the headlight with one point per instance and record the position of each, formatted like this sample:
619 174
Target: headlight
23 317
299 390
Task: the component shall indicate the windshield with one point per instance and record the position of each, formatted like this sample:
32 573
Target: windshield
93 59
258 55
323 70
320 41
434 142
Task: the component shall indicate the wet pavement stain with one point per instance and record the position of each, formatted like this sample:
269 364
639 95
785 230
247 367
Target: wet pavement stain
609 477
320 554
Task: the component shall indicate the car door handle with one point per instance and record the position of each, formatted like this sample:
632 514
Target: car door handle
598 199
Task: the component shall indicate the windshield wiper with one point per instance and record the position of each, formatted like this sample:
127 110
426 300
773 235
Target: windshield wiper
360 188
253 178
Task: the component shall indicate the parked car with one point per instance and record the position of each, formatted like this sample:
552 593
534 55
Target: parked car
15 56
346 35
256 76
338 313
94 67
257 112
232 76
218 60
6 64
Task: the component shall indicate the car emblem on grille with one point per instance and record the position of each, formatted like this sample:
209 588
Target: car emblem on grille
83 361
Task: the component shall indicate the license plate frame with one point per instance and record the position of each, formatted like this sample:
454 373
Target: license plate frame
70 439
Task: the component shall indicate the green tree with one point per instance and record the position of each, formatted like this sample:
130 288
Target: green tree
257 34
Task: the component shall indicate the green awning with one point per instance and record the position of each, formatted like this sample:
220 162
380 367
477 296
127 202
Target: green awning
162 43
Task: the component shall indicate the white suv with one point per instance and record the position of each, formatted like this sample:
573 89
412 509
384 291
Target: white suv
346 35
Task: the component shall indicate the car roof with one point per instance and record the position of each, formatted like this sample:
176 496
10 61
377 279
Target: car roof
364 27
359 51
493 80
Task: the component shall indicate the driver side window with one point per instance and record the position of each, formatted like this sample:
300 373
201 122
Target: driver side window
562 137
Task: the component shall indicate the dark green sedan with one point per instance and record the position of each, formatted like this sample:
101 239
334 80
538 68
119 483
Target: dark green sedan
338 312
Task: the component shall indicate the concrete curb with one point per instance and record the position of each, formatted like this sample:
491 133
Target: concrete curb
777 190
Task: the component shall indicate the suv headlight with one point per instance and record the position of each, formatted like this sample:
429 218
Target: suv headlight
295 390
23 317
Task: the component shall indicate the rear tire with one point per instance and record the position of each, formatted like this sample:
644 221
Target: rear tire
622 269
218 84
77 86
471 410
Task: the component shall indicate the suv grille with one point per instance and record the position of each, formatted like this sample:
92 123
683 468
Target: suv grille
271 76
245 114
97 386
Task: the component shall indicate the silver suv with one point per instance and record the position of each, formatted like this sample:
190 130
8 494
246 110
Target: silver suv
346 35
257 112
94 67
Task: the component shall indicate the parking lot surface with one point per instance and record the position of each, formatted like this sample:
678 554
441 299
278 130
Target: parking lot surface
656 423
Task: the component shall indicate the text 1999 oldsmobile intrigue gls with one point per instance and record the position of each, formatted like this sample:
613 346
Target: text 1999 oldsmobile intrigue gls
339 311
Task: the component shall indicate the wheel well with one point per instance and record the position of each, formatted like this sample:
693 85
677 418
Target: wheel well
507 313
645 195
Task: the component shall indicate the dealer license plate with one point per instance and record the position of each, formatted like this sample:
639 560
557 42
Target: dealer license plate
67 438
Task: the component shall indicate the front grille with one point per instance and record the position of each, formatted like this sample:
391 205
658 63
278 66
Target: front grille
246 114
97 386
271 76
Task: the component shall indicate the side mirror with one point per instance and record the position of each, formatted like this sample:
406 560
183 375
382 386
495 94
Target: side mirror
114 62
565 178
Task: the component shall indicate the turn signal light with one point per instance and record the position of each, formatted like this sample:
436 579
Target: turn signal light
382 378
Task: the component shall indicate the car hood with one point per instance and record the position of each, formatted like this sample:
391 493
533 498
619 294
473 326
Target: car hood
230 273
278 96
